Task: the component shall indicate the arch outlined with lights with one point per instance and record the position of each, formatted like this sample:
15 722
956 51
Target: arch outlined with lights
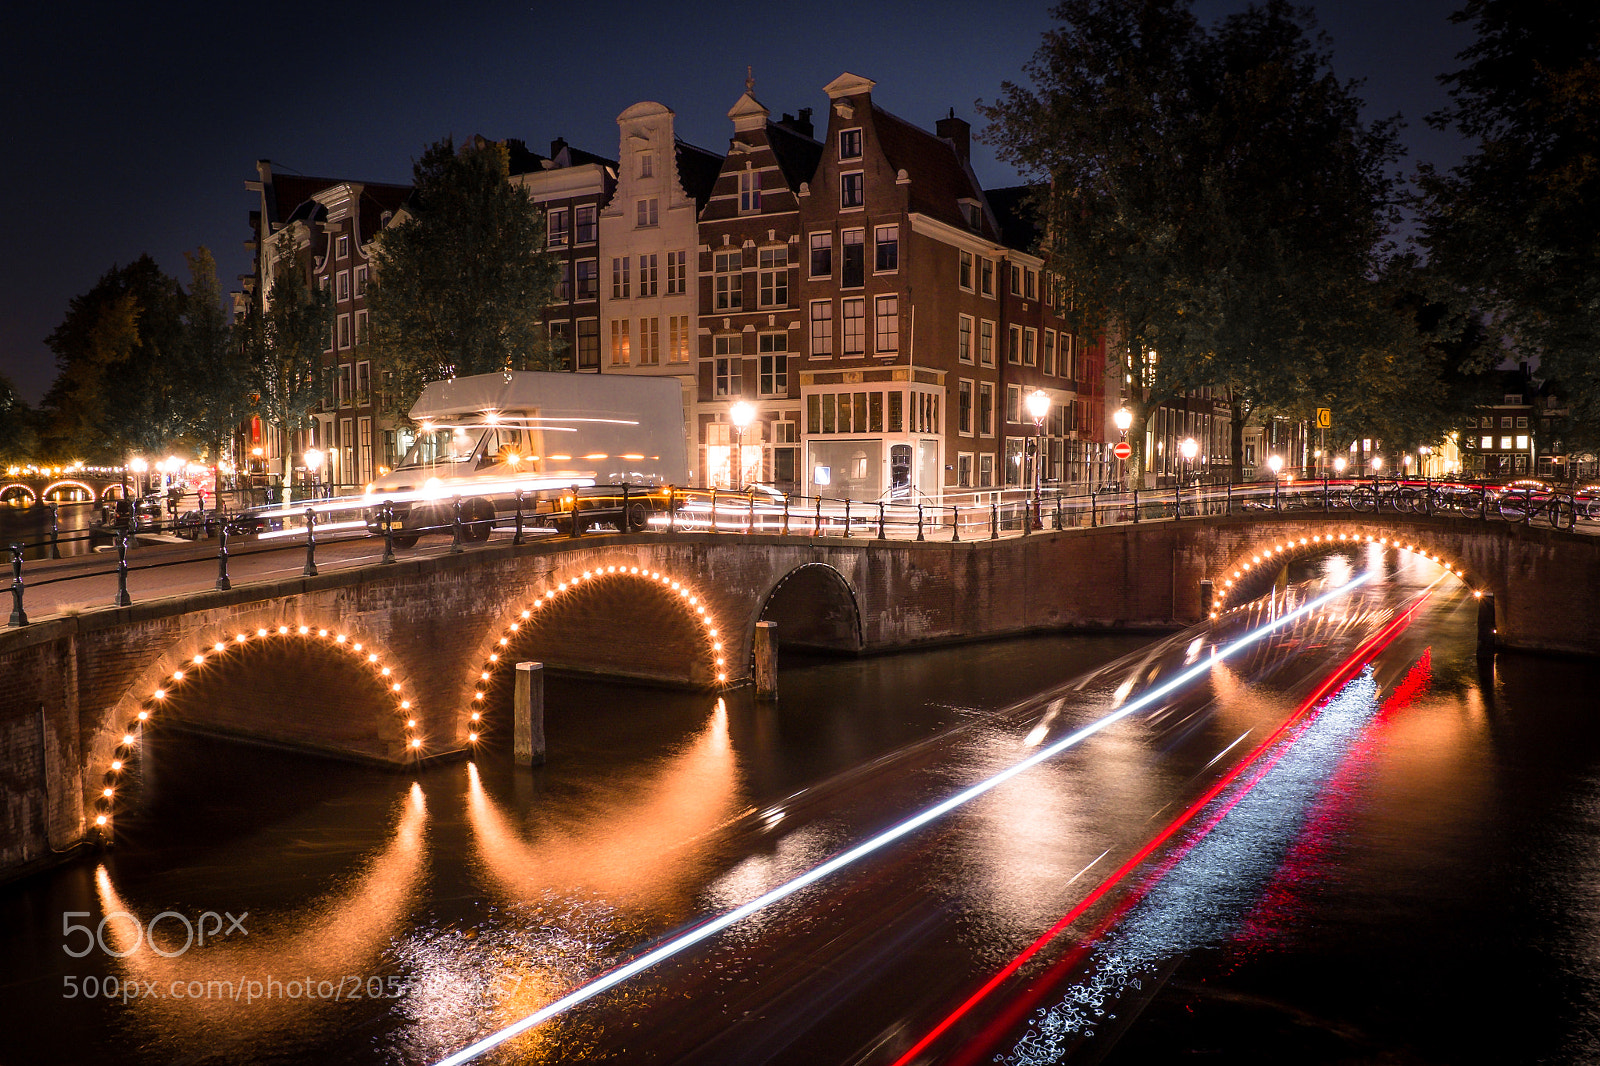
27 490
146 708
493 659
1243 572
67 483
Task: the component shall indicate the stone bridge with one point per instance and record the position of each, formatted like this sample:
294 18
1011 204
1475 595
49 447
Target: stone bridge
32 486
395 663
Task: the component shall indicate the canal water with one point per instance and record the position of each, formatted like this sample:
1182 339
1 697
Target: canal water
29 524
1417 880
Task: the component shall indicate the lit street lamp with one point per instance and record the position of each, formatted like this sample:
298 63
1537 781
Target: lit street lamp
314 458
1038 404
1188 448
1338 465
1122 419
740 415
1275 464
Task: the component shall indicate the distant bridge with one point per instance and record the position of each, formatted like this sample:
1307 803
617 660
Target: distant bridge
84 484
394 663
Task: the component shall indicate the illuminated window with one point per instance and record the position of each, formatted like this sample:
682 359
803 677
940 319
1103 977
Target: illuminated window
558 226
621 350
678 339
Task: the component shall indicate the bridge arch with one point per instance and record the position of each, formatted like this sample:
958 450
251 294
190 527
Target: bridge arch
658 602
192 663
67 483
815 608
16 490
1251 571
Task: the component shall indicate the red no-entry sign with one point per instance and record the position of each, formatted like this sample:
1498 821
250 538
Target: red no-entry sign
1122 449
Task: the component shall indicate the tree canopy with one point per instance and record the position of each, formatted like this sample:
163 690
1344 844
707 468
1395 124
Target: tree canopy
283 344
1515 227
218 388
17 433
1213 201
461 280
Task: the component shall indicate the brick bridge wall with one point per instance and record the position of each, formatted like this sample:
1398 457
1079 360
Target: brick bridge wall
71 686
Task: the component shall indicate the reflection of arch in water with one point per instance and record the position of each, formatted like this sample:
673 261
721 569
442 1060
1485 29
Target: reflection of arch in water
646 847
223 994
115 746
815 608
684 600
16 490
1252 574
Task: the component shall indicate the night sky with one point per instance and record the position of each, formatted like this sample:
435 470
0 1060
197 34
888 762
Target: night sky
132 128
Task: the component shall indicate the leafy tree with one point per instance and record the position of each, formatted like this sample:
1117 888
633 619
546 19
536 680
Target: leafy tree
460 286
283 345
18 439
219 375
1516 225
1215 203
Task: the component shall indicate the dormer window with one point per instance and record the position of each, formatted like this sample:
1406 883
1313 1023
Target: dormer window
850 144
749 191
971 213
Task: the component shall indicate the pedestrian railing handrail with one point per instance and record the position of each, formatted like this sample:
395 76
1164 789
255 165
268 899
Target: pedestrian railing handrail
965 515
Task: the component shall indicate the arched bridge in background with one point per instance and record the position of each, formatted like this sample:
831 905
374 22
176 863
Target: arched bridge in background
393 663
62 486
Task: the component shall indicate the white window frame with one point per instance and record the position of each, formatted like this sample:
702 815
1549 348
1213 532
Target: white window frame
647 212
853 181
647 274
821 329
749 191
886 324
966 327
677 273
846 305
772 278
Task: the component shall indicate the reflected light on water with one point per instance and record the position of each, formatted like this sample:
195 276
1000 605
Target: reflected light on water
342 935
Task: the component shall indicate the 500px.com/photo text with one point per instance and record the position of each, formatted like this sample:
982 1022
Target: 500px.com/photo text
243 990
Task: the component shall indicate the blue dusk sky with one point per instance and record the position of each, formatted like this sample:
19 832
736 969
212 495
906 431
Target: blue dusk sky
132 128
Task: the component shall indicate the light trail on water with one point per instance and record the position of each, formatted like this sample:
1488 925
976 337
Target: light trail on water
721 922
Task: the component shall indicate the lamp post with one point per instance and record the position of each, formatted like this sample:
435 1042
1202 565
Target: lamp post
314 458
1275 464
1122 419
1038 404
1188 448
740 415
1338 466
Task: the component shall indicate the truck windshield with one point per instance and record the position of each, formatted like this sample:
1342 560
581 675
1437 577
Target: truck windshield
442 446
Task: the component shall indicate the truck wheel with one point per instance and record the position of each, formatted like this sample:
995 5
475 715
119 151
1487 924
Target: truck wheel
405 540
479 519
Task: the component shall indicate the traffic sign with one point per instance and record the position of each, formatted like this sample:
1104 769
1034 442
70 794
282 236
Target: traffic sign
1324 418
1122 449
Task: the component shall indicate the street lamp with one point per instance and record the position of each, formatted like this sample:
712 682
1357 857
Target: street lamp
1188 448
740 415
1338 465
1038 404
1122 419
1274 464
314 458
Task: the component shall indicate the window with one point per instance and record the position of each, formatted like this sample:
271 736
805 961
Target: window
1488 442
1505 443
342 246
1016 279
1014 345
677 273
986 343
588 223
678 338
647 275
341 385
1522 421
361 327
773 289
1030 345
964 271
972 213
774 378
621 350
619 277
822 255
850 144
729 282
589 343
1069 368
560 341
363 383
645 212
647 164
986 471
886 318
749 191
1522 441
1013 460
344 331
1013 403
986 276
821 328
854 267
361 281
589 280
558 228
649 341
563 281
1030 284
854 313
886 239
852 190
729 368
1505 422
964 338
964 470
986 409
1047 355
964 406
897 404
341 286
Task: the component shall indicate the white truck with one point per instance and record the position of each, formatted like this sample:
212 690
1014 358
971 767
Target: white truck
599 447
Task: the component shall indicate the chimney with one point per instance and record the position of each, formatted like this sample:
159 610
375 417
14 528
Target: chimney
957 132
800 124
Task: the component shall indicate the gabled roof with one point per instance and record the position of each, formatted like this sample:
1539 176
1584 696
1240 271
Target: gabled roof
697 171
940 179
797 155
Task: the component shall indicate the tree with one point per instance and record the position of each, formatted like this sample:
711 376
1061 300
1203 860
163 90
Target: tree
18 439
1516 225
460 286
283 345
219 375
1214 202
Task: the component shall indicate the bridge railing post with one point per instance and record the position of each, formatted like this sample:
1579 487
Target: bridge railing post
714 509
123 599
627 524
1136 505
55 531
1094 510
750 511
816 527
786 514
311 544
455 526
516 537
1229 505
847 517
575 519
1324 493
19 617
880 520
388 531
994 519
919 521
1058 510
672 509
223 584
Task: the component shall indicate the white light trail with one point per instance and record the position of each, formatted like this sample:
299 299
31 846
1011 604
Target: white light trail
723 921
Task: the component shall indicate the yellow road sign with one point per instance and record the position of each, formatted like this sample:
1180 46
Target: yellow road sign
1324 418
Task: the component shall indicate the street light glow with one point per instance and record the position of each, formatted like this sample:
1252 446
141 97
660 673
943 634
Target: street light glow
740 414
1038 403
1275 464
1190 448
1122 419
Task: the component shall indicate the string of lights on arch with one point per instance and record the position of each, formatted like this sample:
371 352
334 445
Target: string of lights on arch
151 703
684 593
1230 579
